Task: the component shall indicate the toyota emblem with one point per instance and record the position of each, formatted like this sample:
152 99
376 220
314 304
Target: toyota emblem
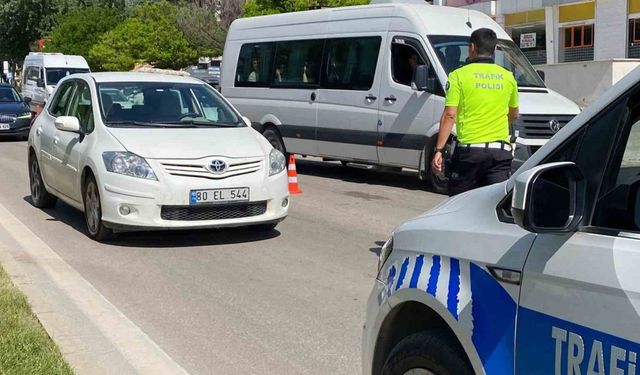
554 125
217 166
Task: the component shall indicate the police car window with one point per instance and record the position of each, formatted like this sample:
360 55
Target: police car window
618 206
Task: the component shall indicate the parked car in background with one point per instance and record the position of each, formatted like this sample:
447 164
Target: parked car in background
207 70
15 115
179 156
338 83
41 72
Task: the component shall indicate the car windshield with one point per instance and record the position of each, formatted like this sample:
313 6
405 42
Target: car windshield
54 75
453 52
136 104
8 94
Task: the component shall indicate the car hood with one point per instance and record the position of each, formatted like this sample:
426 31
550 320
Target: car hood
190 143
13 108
551 103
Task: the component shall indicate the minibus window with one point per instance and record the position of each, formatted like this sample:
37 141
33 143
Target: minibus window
350 63
254 65
297 63
404 59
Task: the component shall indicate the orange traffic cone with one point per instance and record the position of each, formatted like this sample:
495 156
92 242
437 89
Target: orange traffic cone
294 188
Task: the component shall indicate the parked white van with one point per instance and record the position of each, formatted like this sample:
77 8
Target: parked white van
42 71
337 83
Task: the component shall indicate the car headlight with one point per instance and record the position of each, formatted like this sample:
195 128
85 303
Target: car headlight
277 162
385 252
128 164
25 115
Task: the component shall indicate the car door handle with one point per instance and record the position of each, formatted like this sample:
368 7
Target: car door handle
56 140
391 99
371 98
38 131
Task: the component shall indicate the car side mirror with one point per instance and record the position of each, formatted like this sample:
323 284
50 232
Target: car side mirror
68 124
40 82
26 100
549 198
422 81
542 74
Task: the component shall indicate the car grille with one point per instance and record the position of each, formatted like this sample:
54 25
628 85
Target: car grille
538 126
192 168
7 118
214 212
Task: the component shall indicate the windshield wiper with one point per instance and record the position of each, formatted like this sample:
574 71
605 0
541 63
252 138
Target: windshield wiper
142 124
202 123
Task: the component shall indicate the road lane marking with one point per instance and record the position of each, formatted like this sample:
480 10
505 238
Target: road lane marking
142 353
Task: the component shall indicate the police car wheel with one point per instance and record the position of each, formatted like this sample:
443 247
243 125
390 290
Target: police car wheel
427 353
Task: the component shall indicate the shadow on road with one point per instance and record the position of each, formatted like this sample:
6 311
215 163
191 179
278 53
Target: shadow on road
405 179
162 239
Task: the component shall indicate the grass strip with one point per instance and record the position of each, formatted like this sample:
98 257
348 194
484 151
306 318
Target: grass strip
25 347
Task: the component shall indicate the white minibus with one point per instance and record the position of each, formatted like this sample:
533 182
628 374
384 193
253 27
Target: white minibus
337 83
42 71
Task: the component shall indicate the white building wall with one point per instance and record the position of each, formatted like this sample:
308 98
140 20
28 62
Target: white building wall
611 29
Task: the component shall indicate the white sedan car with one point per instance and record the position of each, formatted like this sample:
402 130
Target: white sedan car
177 156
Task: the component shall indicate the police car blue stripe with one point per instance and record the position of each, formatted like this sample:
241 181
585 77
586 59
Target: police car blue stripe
454 288
417 269
403 273
390 278
432 286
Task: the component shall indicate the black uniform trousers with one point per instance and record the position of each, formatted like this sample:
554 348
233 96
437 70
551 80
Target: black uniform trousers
473 167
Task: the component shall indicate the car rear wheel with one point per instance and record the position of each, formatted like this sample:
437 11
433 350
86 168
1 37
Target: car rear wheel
93 212
427 353
40 197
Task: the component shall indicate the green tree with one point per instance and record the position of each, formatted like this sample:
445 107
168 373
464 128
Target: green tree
21 23
150 35
263 7
201 28
81 29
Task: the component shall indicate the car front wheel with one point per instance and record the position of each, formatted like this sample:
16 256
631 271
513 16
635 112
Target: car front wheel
93 212
427 353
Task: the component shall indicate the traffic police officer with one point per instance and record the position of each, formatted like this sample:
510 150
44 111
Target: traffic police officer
482 98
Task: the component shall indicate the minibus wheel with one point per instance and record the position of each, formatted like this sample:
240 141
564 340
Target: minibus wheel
427 353
273 136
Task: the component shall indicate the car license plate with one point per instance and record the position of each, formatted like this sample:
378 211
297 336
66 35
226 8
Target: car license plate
5 126
219 195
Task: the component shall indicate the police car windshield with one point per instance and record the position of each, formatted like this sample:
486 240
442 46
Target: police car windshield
453 52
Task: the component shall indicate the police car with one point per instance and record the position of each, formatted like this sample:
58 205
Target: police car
536 275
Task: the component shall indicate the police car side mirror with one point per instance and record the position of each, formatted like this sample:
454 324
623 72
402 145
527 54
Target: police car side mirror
422 81
542 74
549 198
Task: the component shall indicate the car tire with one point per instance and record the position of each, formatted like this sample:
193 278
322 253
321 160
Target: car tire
273 136
439 184
427 353
96 229
40 197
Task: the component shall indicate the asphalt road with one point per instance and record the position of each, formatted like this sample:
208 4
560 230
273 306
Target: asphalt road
234 302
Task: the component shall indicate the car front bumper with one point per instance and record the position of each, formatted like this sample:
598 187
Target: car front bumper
164 204
19 127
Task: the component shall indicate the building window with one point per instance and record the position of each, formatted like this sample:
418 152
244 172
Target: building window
578 36
577 43
633 50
